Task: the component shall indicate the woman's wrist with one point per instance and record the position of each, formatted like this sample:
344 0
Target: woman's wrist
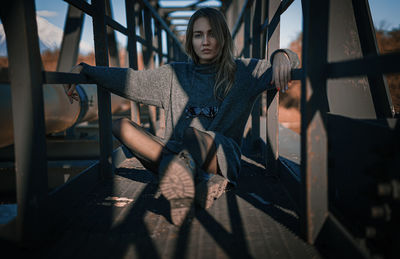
277 53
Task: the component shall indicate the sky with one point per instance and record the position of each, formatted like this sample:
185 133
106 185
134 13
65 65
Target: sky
385 14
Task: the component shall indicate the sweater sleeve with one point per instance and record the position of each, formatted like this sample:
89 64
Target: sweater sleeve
264 69
149 87
294 59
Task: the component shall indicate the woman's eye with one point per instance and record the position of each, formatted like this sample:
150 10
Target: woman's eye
211 34
197 35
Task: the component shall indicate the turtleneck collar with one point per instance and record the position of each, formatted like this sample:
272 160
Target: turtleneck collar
205 68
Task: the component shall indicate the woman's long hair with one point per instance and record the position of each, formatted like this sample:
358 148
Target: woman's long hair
225 62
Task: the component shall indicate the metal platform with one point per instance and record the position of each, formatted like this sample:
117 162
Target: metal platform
128 218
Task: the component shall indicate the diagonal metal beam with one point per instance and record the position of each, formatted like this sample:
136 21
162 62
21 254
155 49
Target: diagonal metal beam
284 5
379 88
82 5
71 37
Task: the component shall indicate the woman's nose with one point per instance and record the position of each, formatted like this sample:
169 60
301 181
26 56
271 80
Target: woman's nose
206 40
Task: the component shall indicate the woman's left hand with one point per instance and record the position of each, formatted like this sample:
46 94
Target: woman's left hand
281 71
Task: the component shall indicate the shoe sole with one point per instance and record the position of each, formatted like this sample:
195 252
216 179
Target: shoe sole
180 209
177 186
208 192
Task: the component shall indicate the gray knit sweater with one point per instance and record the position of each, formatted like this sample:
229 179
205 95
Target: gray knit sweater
176 86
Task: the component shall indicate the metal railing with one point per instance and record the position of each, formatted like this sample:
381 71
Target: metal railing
260 23
309 188
26 78
260 20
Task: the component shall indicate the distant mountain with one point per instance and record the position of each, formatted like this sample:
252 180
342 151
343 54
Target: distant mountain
50 37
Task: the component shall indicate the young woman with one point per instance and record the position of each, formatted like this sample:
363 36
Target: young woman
207 102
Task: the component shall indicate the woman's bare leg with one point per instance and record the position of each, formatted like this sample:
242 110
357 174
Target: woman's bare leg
202 147
204 152
199 144
139 142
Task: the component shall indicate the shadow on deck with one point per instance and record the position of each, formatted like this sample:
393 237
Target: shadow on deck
127 217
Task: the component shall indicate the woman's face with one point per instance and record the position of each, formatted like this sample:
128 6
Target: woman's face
205 44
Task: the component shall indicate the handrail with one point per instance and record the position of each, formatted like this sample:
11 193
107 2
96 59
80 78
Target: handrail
69 78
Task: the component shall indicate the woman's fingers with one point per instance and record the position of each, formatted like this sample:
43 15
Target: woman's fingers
285 76
69 91
70 88
282 78
277 77
281 71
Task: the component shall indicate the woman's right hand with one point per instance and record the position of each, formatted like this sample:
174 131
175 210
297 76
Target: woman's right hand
70 88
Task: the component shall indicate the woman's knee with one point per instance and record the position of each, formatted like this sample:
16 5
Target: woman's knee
202 139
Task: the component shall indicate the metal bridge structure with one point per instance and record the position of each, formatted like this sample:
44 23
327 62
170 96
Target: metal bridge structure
331 191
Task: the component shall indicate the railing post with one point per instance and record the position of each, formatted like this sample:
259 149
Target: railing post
103 96
132 50
111 40
246 36
148 60
161 124
169 49
272 119
159 42
19 18
256 53
314 106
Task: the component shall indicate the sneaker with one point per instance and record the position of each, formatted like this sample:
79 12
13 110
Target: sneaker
177 174
209 188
